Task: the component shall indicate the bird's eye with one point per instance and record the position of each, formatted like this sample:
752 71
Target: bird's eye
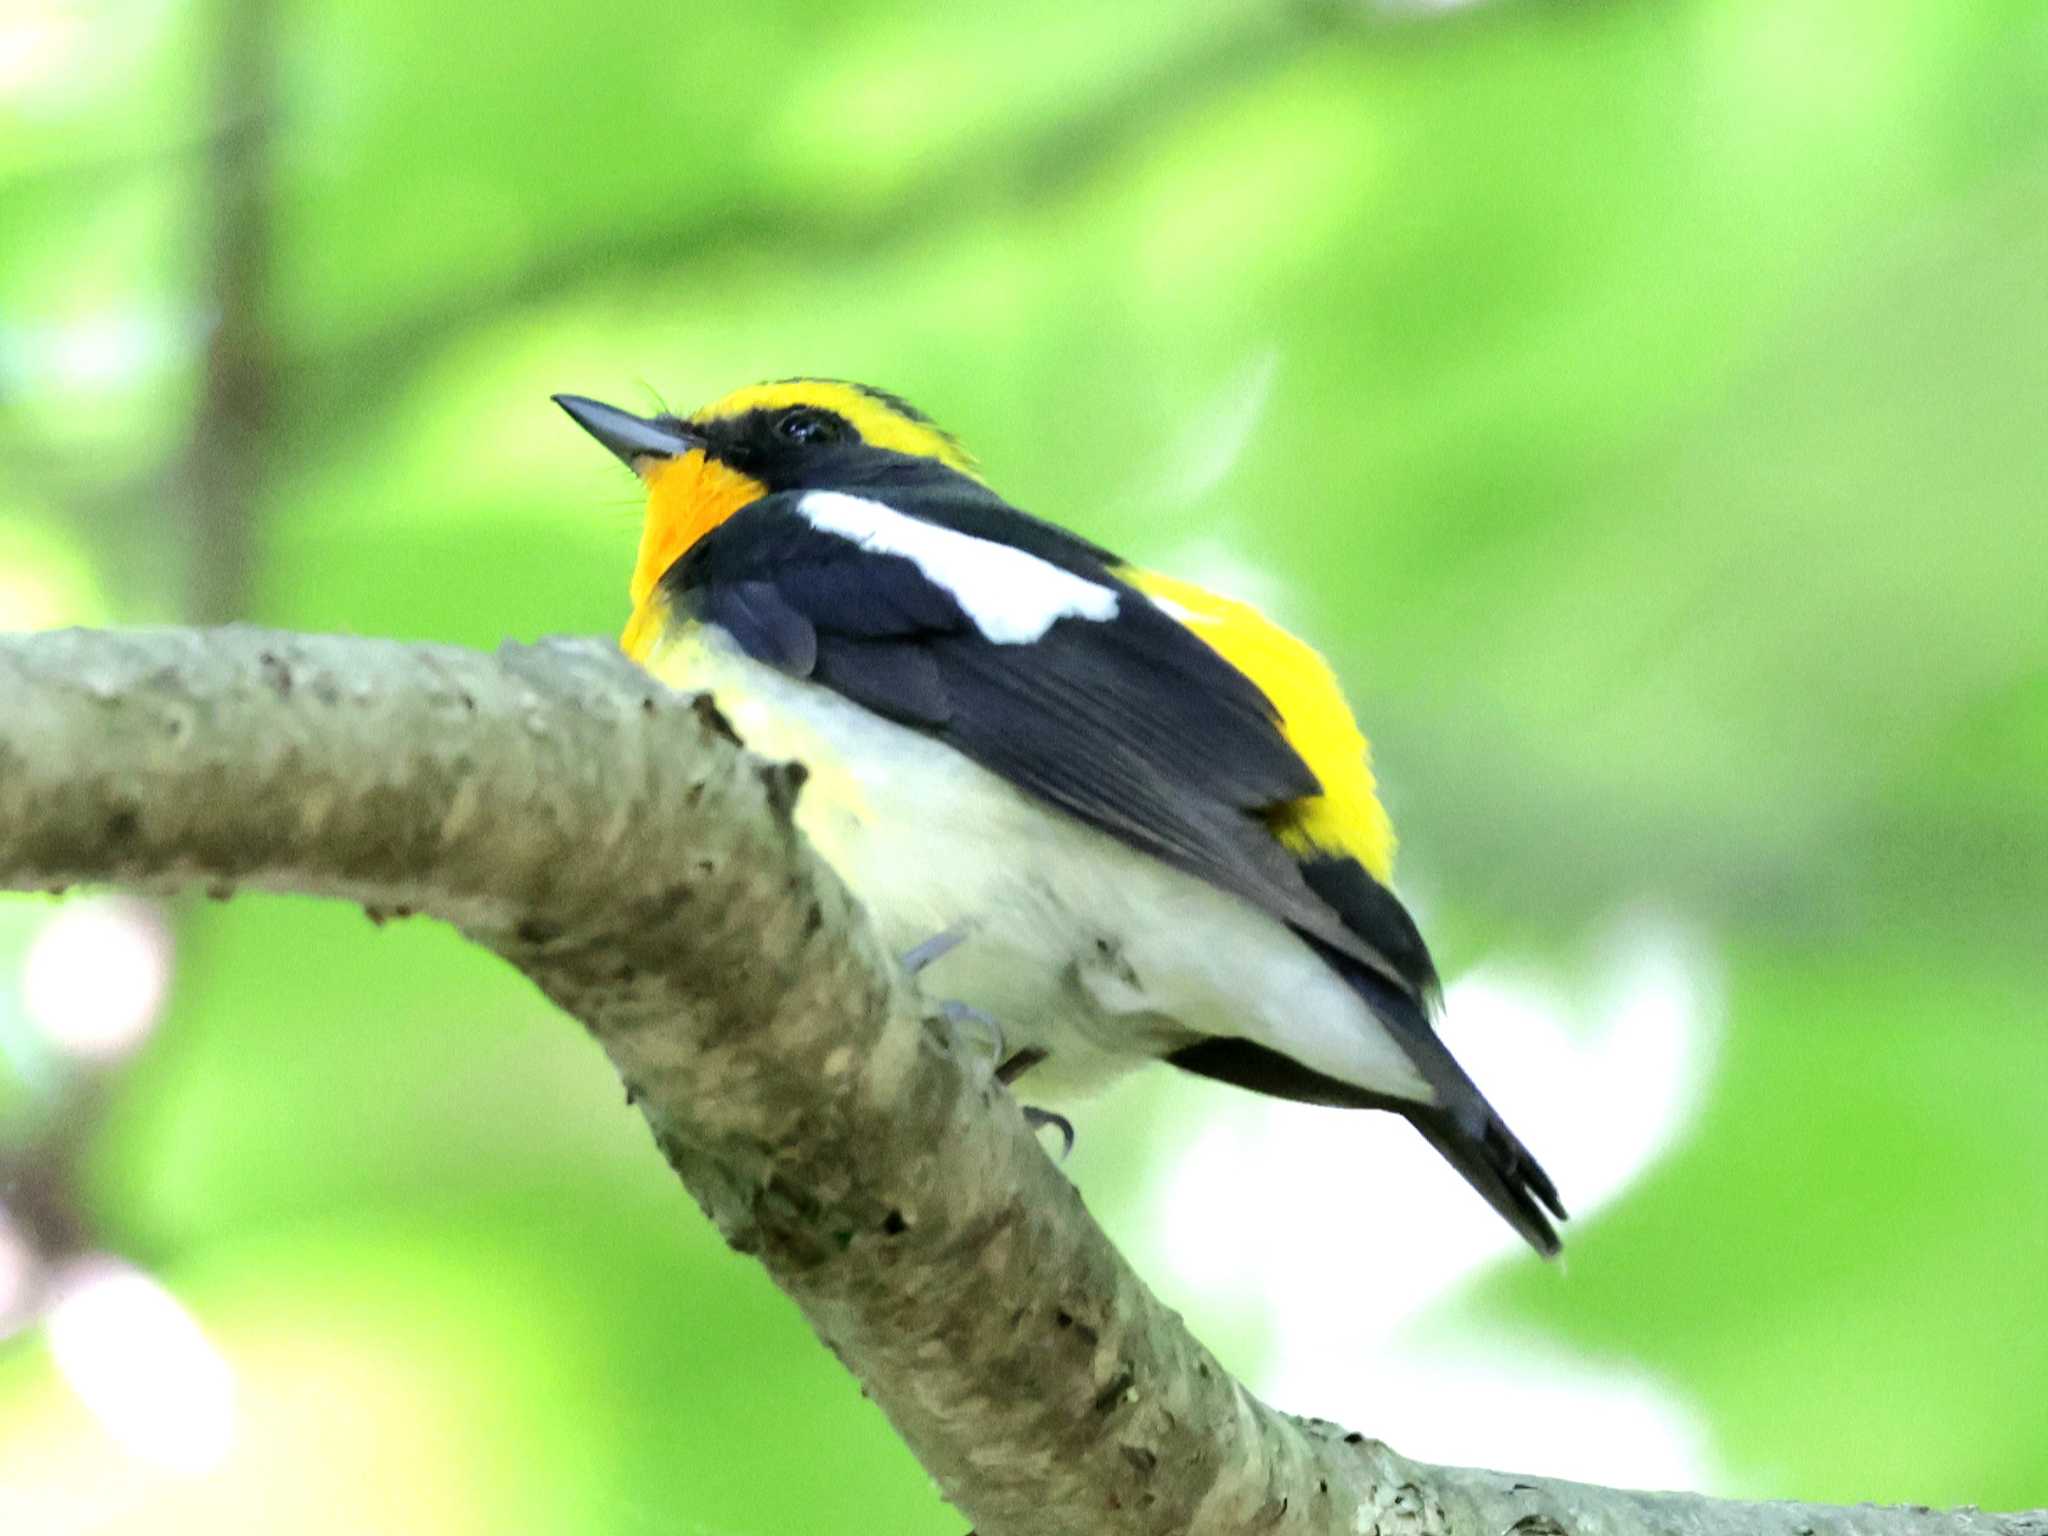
810 426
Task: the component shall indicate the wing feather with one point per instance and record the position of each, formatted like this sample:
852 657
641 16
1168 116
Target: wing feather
1130 724
1140 725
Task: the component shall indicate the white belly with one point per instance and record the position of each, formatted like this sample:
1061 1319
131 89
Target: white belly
1080 947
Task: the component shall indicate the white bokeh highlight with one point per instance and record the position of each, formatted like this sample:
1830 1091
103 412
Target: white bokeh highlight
1215 434
35 43
96 977
96 353
56 56
143 1366
28 603
18 1275
1346 1230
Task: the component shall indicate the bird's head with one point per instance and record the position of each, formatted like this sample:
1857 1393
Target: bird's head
796 434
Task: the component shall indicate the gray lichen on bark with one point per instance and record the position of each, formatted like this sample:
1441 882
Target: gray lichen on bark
617 844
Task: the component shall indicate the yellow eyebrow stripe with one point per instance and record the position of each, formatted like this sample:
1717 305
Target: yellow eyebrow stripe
878 423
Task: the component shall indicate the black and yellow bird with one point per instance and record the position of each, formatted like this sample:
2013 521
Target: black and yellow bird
1148 809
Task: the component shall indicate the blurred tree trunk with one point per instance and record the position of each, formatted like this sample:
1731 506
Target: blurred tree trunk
226 465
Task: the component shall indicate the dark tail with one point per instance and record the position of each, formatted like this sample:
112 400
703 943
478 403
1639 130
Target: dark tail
1461 1125
1500 1168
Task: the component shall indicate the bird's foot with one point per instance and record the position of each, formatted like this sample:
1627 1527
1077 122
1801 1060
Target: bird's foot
1004 1066
965 1020
1016 1066
920 957
1039 1119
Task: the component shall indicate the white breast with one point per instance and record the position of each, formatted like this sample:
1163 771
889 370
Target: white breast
1079 946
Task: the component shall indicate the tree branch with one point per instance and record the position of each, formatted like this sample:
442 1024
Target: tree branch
613 841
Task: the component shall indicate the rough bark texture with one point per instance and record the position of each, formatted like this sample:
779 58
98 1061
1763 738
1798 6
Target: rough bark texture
613 841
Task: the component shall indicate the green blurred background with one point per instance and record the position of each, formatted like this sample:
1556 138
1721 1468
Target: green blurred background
1644 402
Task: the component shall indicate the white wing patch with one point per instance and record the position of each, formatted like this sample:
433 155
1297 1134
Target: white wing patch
1012 597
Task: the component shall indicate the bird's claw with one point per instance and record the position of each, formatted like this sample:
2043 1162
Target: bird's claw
1003 1067
1039 1119
920 957
957 1014
1016 1066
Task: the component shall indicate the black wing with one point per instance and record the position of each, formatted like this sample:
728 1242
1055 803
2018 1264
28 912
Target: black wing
1131 724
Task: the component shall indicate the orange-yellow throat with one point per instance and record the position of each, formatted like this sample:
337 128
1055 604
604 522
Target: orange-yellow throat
687 497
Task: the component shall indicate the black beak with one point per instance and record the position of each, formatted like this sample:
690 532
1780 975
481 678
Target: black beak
630 437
